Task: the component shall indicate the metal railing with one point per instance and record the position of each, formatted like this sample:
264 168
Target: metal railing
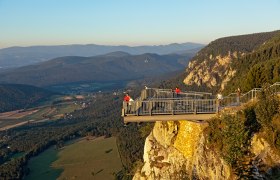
164 101
250 95
170 106
275 87
233 100
154 93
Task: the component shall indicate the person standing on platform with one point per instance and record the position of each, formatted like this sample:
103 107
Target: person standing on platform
238 93
177 91
126 100
219 100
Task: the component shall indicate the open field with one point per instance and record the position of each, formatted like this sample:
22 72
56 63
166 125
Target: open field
64 108
40 166
34 115
7 114
79 97
6 126
93 159
84 87
16 114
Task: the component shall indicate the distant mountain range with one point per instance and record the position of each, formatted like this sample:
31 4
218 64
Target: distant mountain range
116 66
21 56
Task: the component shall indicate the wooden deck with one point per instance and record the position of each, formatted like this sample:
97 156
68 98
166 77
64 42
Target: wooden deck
190 117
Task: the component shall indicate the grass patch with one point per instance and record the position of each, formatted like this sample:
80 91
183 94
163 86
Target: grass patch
38 115
8 122
94 159
41 114
65 108
40 166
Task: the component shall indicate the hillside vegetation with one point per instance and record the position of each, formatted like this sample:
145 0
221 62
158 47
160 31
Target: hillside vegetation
241 44
258 67
236 136
258 120
224 64
17 96
101 118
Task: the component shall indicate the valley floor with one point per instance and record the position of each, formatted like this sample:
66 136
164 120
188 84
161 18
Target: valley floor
38 114
89 159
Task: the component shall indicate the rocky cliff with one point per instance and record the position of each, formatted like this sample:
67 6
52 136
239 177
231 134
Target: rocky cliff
212 71
178 150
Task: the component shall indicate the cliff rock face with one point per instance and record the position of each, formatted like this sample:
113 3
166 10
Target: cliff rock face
265 161
177 150
212 71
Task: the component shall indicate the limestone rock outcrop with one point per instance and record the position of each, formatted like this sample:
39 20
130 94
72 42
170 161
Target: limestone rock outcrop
177 150
213 71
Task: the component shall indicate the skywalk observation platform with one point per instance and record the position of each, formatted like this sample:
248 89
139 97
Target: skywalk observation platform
165 105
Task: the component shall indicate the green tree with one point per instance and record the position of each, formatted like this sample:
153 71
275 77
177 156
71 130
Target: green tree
266 109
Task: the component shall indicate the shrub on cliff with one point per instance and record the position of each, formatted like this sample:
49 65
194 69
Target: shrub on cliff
231 134
267 107
267 112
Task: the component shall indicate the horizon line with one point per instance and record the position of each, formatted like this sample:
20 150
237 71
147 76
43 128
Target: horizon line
114 45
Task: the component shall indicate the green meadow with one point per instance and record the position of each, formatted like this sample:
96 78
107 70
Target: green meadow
89 159
84 159
40 166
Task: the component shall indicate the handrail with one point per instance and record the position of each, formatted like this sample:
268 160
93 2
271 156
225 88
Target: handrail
170 106
149 93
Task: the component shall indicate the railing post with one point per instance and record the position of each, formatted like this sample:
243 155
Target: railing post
172 106
217 105
125 108
138 108
150 107
194 106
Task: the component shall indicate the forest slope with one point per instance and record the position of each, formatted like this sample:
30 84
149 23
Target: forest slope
17 96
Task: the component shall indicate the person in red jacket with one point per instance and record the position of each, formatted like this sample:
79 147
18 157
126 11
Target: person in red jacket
177 91
126 98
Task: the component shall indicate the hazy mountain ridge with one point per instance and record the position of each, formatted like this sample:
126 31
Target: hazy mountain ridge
21 56
109 67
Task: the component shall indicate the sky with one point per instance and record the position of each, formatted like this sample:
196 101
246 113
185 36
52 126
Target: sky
132 22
